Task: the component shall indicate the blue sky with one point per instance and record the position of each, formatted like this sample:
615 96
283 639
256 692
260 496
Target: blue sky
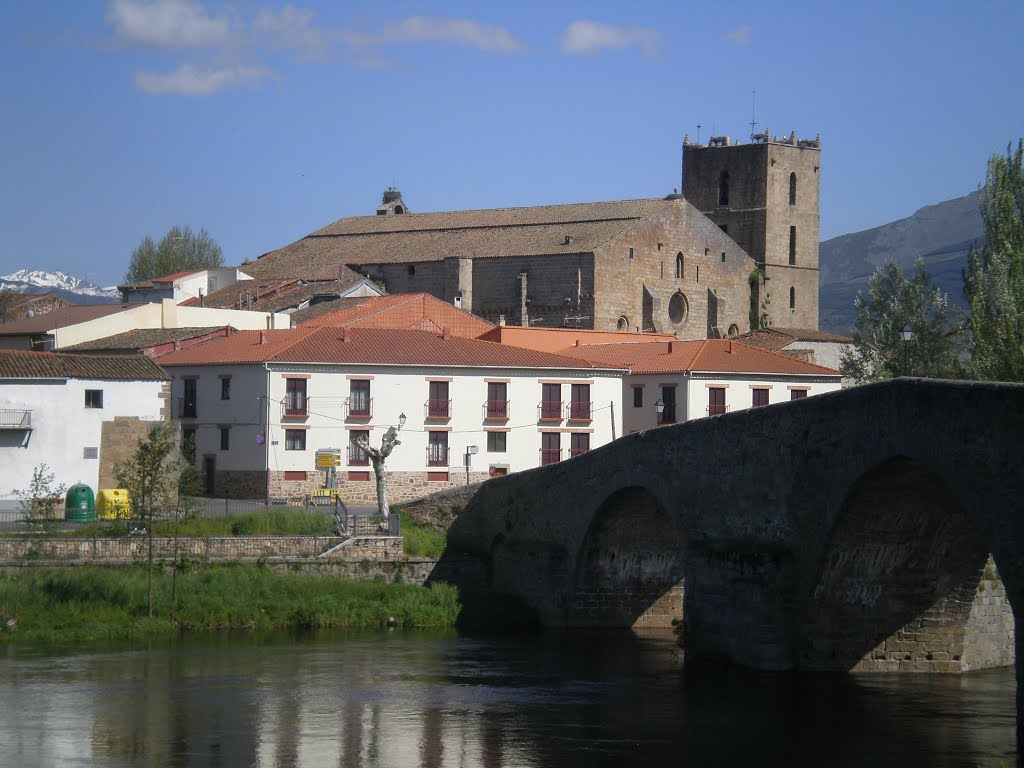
264 121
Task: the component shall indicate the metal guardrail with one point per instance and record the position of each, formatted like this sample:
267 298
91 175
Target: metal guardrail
12 418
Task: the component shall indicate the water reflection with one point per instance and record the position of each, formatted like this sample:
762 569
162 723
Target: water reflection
421 699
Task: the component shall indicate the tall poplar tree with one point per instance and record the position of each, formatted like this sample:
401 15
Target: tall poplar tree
994 279
180 250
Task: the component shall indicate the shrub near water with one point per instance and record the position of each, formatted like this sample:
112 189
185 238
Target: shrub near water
90 603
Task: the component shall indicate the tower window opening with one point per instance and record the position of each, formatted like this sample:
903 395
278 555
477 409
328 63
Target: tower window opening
723 188
680 266
792 189
792 245
792 298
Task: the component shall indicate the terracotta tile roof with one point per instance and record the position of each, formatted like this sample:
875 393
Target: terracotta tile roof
366 346
176 276
777 338
709 355
140 338
59 318
55 365
419 237
556 339
405 310
277 294
313 311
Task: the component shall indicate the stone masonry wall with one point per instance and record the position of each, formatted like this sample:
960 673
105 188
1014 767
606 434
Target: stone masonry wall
206 548
990 634
403 486
119 439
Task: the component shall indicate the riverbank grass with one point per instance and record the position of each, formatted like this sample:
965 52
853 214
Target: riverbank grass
60 605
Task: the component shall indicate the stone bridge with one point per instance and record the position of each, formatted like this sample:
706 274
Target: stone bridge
877 528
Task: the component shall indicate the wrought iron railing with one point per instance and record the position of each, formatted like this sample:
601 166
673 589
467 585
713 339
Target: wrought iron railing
437 409
579 411
15 419
496 409
359 407
550 410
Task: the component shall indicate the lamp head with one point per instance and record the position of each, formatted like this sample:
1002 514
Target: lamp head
659 406
401 420
907 334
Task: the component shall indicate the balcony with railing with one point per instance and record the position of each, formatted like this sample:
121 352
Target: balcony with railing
11 418
437 409
550 456
295 407
550 410
574 452
496 409
717 410
580 411
437 455
358 407
357 457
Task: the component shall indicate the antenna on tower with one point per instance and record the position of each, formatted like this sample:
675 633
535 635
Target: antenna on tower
698 134
753 113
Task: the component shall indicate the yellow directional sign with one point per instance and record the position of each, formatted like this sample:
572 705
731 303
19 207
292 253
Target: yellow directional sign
328 458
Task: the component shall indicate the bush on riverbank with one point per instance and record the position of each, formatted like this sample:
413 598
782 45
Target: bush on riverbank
420 540
270 522
91 603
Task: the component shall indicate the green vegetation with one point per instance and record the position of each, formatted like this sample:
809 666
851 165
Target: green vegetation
180 250
94 602
892 303
994 279
421 540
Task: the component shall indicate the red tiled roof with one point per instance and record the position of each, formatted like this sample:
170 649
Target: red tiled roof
405 310
709 355
556 339
59 318
175 276
276 294
365 346
54 365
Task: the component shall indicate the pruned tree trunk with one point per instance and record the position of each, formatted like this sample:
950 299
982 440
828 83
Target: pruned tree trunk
382 484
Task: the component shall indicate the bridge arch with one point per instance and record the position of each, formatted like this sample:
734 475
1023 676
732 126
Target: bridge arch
629 566
905 581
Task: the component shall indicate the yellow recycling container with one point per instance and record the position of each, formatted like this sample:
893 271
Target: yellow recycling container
112 503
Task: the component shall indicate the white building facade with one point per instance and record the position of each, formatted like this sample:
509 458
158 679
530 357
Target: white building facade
258 426
71 414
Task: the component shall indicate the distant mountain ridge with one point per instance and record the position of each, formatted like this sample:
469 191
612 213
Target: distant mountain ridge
941 234
68 287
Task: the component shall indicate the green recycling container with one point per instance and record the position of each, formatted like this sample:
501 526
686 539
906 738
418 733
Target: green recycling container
79 504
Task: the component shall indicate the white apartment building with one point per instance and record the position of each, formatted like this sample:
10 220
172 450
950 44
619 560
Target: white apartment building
261 404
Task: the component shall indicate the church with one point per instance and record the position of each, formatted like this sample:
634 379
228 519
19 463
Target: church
737 250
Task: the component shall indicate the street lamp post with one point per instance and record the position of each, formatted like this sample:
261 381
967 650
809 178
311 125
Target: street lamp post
907 334
471 451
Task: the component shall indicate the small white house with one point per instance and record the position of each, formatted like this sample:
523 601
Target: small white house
262 405
182 285
72 412
675 381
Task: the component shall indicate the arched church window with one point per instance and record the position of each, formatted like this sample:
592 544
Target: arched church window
792 189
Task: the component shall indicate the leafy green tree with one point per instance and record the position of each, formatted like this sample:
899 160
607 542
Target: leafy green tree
994 279
892 303
180 250
152 477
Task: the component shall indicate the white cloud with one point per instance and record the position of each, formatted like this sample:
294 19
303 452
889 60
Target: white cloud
739 36
187 80
168 24
417 29
291 28
583 37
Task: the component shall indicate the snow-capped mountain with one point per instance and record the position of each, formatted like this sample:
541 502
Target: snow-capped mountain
72 288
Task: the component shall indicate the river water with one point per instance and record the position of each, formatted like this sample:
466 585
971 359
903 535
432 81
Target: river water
427 699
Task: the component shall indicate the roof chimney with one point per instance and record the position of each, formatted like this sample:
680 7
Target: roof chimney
568 239
263 337
730 346
446 333
670 347
344 337
501 319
